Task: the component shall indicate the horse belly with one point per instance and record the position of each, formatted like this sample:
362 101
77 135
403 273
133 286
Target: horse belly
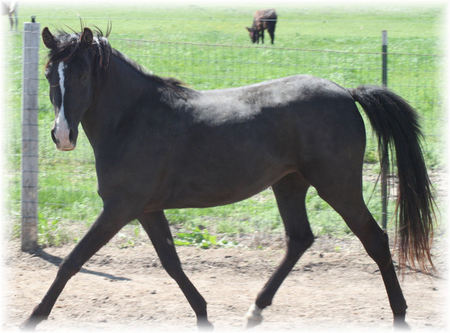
210 192
225 171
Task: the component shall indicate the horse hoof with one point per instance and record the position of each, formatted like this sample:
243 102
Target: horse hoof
29 324
401 325
252 323
253 316
204 325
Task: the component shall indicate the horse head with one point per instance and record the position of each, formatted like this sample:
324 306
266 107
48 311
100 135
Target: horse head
71 72
253 33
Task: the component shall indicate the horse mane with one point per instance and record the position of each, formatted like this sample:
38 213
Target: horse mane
69 42
170 85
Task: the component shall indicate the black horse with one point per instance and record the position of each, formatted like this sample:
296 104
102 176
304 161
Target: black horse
161 145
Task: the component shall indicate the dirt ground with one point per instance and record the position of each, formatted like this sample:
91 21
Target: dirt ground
334 285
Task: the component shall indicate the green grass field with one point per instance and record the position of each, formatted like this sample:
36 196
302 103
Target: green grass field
208 47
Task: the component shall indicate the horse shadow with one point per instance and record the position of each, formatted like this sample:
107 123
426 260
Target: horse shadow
55 260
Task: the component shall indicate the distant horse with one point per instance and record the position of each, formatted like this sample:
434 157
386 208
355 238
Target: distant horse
263 19
10 9
161 145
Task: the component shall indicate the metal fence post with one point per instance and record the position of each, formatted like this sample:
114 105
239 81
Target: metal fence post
30 84
384 160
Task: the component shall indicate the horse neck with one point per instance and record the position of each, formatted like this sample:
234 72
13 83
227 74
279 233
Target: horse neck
116 97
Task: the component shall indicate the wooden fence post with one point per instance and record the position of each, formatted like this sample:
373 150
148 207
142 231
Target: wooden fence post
30 85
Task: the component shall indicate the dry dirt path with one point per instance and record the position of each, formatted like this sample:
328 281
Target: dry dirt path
335 284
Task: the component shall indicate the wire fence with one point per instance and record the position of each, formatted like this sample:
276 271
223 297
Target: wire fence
67 181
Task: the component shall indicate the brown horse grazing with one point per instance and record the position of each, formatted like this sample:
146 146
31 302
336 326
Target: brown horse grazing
160 145
263 19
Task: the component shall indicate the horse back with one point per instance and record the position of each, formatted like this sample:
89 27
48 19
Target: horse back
264 19
283 115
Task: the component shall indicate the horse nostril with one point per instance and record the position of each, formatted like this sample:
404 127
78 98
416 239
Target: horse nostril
53 136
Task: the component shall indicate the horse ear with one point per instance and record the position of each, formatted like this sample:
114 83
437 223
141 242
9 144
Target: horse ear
87 37
48 39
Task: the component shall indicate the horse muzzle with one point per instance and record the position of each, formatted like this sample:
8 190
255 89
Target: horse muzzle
65 138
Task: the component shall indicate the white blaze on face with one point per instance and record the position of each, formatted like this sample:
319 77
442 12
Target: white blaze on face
61 126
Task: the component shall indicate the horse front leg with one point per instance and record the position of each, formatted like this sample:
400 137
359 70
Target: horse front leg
157 228
290 193
271 34
105 227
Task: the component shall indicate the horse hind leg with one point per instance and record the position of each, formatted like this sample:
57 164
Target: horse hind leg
344 194
290 193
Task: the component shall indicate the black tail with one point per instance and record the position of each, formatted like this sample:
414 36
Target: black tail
396 125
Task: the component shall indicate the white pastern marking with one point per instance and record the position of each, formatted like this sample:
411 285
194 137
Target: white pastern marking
253 316
62 127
